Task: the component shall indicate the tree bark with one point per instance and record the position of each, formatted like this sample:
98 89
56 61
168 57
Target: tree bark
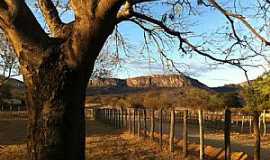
257 145
227 130
56 113
56 70
185 134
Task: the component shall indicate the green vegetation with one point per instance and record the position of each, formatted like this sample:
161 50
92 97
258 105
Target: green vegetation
172 98
257 94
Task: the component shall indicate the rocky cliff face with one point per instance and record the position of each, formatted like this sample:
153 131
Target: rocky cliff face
107 82
159 81
156 81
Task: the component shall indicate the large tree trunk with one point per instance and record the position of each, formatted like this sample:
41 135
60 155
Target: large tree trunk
55 100
56 70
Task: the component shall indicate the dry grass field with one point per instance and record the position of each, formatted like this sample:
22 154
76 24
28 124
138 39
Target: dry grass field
106 143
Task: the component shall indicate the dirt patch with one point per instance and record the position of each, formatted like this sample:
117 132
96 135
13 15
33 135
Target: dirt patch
13 132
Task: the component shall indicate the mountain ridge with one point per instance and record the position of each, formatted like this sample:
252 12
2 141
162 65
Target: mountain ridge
141 83
159 81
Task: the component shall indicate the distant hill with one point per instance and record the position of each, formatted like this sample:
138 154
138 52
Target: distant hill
228 88
13 88
142 84
136 84
13 83
155 81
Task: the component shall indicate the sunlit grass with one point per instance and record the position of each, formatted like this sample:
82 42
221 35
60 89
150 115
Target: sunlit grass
105 147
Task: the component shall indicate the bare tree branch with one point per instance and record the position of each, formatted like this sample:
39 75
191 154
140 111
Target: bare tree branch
108 8
141 1
17 21
8 10
182 39
51 16
241 18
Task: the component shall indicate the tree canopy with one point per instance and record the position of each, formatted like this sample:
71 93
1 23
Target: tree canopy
258 93
166 99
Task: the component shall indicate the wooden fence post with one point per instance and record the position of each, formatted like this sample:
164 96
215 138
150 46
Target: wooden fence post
152 124
172 128
257 145
144 119
105 115
129 120
139 123
111 116
242 124
134 121
264 123
250 124
126 118
185 134
237 120
160 128
119 118
101 113
108 116
227 130
115 118
122 117
200 113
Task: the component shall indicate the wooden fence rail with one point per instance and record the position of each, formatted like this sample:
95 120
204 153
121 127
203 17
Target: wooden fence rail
136 120
143 122
13 115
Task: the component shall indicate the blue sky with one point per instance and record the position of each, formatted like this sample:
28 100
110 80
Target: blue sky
198 67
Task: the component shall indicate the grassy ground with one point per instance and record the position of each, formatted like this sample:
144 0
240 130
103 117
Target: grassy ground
104 143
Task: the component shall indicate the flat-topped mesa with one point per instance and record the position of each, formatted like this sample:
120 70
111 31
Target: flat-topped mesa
107 82
155 81
162 81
